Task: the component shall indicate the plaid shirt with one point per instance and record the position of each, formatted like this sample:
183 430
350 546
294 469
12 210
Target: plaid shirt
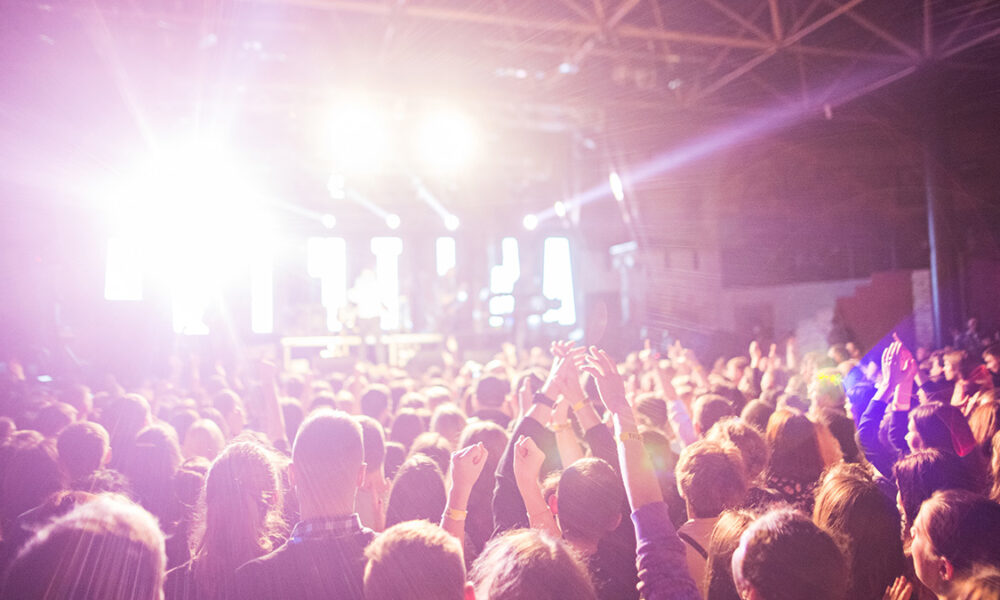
326 528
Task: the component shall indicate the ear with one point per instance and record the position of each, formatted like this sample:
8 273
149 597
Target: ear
291 475
106 459
617 521
554 504
361 475
470 592
946 570
750 594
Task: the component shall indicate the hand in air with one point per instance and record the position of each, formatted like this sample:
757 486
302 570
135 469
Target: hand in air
610 384
528 459
467 464
901 589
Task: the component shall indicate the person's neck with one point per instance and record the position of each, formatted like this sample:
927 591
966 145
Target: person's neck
582 546
309 511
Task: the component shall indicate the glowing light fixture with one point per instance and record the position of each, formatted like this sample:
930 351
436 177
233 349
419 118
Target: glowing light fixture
446 140
557 281
616 186
329 221
360 137
445 247
560 208
392 221
530 222
451 222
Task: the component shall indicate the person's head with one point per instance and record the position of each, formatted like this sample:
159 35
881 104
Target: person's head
53 418
794 447
293 414
328 463
491 392
150 466
852 508
494 438
749 441
373 438
434 446
124 557
842 428
229 404
955 532
991 356
984 423
437 395
721 545
123 419
31 473
589 500
756 413
415 560
711 477
826 391
859 396
79 397
240 512
526 564
417 492
920 474
735 367
941 426
651 410
395 454
785 556
448 420
707 410
375 402
203 438
951 362
406 426
84 447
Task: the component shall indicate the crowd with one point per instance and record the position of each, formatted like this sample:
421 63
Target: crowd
539 475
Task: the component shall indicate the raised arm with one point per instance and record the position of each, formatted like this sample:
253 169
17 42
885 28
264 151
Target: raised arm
466 465
528 461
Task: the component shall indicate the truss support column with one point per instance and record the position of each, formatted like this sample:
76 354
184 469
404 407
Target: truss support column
943 267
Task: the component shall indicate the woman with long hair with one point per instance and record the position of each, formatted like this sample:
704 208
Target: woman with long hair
239 521
796 462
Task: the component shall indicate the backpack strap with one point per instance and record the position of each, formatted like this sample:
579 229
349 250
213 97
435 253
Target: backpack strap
695 545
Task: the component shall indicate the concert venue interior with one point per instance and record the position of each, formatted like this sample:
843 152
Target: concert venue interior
389 190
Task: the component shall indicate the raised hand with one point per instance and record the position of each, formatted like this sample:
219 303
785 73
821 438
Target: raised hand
466 465
564 374
528 459
901 589
610 384
755 354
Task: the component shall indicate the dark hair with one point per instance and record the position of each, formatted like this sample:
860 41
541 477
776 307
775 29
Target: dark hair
375 401
53 418
711 477
851 507
756 413
492 391
82 447
920 474
842 428
651 410
591 497
417 492
435 447
412 561
406 426
395 454
293 414
328 455
708 409
31 473
124 557
785 556
794 447
479 522
374 441
984 423
150 467
943 426
723 542
527 565
749 441
964 528
123 419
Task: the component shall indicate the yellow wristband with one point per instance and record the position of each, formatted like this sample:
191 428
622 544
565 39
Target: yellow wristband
579 405
626 436
455 515
558 427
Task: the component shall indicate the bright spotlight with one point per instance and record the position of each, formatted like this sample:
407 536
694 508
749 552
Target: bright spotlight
446 140
360 138
616 186
451 222
392 221
560 208
329 221
336 186
530 222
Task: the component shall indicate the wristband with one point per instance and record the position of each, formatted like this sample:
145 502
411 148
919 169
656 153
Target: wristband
557 427
627 436
455 515
579 405
540 398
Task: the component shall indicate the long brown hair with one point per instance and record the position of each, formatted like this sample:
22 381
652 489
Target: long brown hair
239 516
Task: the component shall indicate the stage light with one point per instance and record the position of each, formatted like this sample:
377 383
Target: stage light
616 186
326 260
451 222
560 208
360 137
557 281
336 186
445 247
530 222
446 140
387 251
329 221
392 221
123 270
